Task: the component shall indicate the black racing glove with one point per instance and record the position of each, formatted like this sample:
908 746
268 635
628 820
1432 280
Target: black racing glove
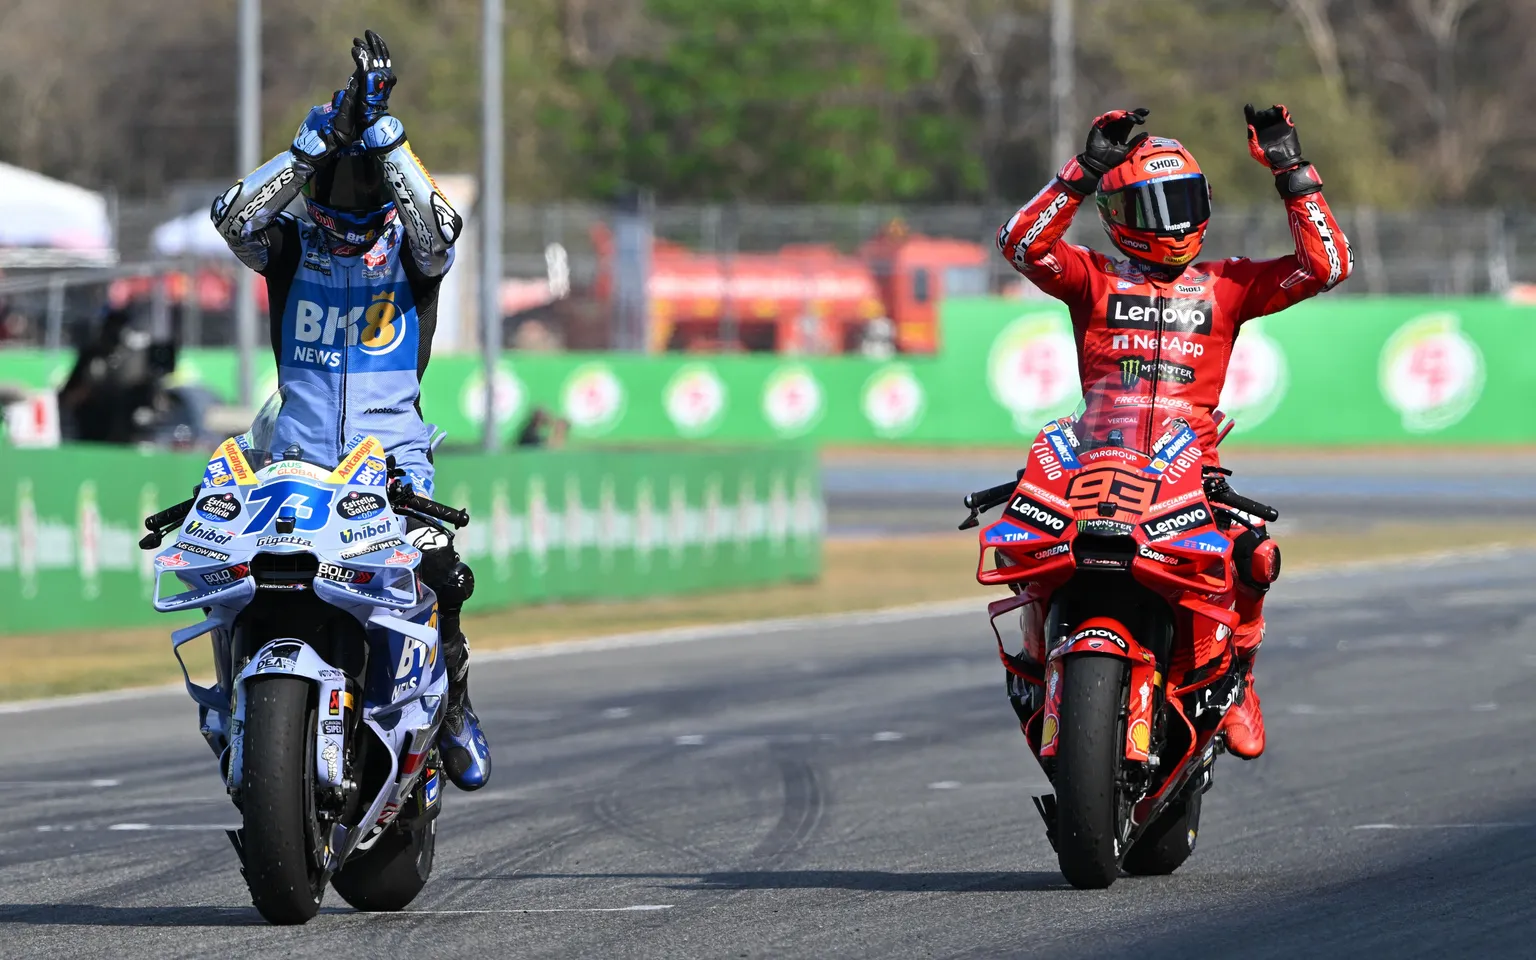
1109 143
1272 141
375 77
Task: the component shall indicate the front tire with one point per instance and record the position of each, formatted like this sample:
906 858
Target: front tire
278 800
1088 756
390 875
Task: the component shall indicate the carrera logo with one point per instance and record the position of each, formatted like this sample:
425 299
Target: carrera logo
1037 515
1057 550
1163 164
1134 312
1172 524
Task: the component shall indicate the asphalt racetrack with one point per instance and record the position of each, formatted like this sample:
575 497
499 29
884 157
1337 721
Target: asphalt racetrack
854 789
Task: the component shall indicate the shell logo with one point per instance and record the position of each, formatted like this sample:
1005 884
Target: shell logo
1257 378
1048 730
383 325
1032 369
1141 735
1431 372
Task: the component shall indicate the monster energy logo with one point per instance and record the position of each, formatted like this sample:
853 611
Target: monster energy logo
1133 369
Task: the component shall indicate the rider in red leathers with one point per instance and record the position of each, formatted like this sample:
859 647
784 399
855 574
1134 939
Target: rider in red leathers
1159 318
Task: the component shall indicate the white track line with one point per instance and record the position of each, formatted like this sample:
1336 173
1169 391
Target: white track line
860 618
637 908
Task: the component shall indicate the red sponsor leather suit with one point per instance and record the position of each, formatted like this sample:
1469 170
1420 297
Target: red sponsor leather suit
1179 330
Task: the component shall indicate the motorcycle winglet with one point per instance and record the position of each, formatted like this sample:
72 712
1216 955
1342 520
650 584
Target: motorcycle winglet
214 698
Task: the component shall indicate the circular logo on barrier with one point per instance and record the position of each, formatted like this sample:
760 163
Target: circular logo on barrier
792 401
1431 372
893 400
383 326
1257 378
593 398
695 399
1032 369
507 396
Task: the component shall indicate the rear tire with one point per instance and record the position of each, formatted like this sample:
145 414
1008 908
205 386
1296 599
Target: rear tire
278 800
1168 840
390 875
1088 756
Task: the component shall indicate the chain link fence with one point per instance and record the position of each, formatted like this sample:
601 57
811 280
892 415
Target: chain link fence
1443 252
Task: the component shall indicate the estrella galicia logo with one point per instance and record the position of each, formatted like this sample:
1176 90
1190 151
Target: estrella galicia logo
1035 514
1136 312
219 507
1172 524
1133 369
360 506
354 534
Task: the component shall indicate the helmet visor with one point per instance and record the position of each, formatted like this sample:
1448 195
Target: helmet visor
352 184
1173 206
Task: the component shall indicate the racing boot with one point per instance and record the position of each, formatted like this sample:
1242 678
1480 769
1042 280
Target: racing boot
466 753
1244 723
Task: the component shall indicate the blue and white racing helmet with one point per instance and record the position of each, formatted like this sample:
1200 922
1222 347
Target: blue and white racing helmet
348 200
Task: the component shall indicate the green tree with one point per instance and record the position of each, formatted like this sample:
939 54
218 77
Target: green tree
768 99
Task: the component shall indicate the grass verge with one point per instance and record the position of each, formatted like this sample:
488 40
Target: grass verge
859 575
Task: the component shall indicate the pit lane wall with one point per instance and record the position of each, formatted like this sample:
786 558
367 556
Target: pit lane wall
1330 372
547 526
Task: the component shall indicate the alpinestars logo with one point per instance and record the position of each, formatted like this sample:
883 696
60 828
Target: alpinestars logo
1133 369
265 194
1043 220
1320 224
1133 312
1035 514
1170 524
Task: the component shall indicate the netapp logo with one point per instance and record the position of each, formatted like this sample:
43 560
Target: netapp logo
1170 524
1129 311
1037 515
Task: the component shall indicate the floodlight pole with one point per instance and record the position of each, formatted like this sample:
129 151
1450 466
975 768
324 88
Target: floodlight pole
491 213
249 147
1062 82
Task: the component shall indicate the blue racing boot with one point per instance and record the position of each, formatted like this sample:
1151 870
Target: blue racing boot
466 752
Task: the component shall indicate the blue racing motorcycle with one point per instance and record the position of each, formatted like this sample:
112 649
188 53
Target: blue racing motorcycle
329 688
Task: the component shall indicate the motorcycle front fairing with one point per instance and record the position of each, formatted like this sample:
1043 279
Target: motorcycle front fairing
259 533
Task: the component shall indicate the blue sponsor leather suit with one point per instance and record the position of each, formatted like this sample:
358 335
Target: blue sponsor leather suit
353 306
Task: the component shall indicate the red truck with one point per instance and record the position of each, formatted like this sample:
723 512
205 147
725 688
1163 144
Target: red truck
806 298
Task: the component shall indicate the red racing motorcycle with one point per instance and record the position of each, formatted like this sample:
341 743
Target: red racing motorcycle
1118 547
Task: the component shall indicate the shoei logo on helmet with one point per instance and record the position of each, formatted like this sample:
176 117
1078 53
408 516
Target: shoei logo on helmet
1163 164
383 325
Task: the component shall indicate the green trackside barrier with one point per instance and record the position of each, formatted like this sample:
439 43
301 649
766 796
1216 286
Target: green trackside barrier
547 526
1332 371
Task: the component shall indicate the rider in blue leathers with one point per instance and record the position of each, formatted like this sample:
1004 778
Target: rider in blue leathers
353 303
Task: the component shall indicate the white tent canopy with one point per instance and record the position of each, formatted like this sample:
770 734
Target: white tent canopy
52 222
190 235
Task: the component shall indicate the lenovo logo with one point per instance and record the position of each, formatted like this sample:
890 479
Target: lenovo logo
1129 311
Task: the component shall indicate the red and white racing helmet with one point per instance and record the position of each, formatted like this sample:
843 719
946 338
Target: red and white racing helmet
1156 204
